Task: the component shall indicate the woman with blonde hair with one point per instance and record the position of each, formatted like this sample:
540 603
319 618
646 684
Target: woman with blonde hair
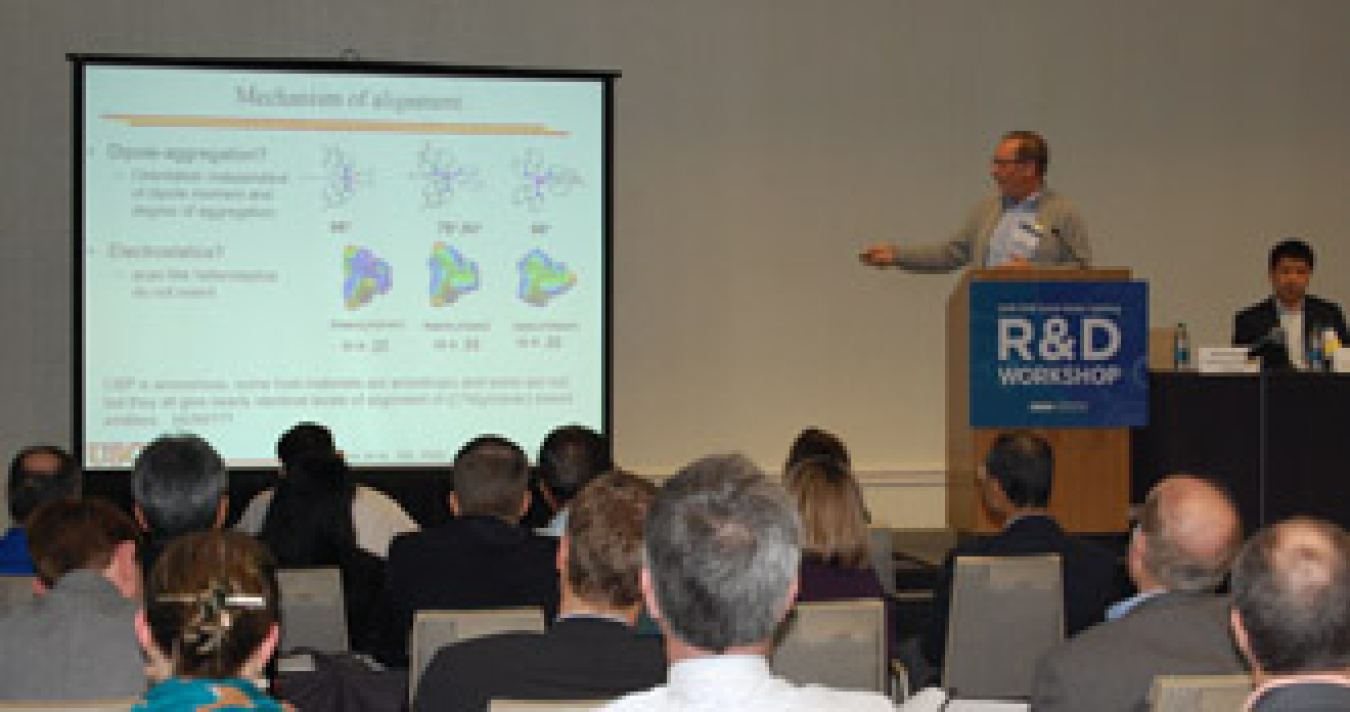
209 625
835 562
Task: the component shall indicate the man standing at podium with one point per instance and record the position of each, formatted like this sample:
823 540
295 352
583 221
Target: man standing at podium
1277 328
1025 225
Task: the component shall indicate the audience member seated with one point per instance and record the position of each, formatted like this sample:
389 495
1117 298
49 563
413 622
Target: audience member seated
38 474
209 625
1188 534
1291 618
310 524
569 457
376 517
835 564
1016 492
179 485
814 443
76 639
591 652
835 541
720 571
482 558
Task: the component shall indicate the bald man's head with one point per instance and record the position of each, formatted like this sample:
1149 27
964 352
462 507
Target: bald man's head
1291 595
1189 532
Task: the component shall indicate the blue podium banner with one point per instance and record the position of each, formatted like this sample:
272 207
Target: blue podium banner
1058 354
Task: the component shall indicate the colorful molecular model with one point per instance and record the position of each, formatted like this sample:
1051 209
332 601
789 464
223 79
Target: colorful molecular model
539 181
364 276
542 278
452 275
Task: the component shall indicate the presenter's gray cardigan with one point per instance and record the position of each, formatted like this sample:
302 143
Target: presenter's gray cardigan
1064 241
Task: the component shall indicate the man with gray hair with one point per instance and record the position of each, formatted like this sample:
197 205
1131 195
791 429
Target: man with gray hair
720 574
180 485
1291 615
1187 535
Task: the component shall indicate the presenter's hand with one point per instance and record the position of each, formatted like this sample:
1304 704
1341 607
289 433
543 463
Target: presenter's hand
878 256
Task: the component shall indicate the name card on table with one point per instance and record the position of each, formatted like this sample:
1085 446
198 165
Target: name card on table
1340 360
1227 359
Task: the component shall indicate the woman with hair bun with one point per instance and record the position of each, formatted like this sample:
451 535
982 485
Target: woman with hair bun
209 625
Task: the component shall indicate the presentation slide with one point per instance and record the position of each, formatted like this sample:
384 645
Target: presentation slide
411 256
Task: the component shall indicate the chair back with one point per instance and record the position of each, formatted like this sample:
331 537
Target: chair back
15 589
555 705
1200 693
840 644
118 705
433 630
313 611
881 550
1006 612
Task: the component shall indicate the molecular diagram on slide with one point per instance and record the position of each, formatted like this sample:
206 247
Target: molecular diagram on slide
542 278
539 181
444 176
364 276
452 275
342 179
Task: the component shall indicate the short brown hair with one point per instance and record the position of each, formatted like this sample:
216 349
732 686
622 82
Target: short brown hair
490 481
605 524
211 601
69 534
1032 148
834 518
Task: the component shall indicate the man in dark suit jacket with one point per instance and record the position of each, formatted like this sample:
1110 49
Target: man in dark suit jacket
592 651
1187 536
1016 491
1278 327
480 559
1291 615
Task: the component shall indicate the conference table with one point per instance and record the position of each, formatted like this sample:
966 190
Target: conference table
1279 441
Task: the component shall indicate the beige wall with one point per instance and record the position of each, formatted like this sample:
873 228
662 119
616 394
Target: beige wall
759 144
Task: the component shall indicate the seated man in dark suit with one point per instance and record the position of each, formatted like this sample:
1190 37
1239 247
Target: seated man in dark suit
1278 328
1188 534
591 652
1016 491
1291 617
482 558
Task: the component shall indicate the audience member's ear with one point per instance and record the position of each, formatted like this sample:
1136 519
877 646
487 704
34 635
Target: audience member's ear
649 595
222 511
452 500
124 570
995 500
255 667
560 559
157 666
790 600
525 503
1240 637
140 517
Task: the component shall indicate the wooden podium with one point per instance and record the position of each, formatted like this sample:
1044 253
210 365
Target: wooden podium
1092 465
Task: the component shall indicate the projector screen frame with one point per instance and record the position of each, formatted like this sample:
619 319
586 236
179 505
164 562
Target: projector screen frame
604 78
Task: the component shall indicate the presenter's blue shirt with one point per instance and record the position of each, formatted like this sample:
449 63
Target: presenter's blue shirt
1018 232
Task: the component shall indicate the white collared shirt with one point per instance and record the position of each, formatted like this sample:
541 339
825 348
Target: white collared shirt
726 683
